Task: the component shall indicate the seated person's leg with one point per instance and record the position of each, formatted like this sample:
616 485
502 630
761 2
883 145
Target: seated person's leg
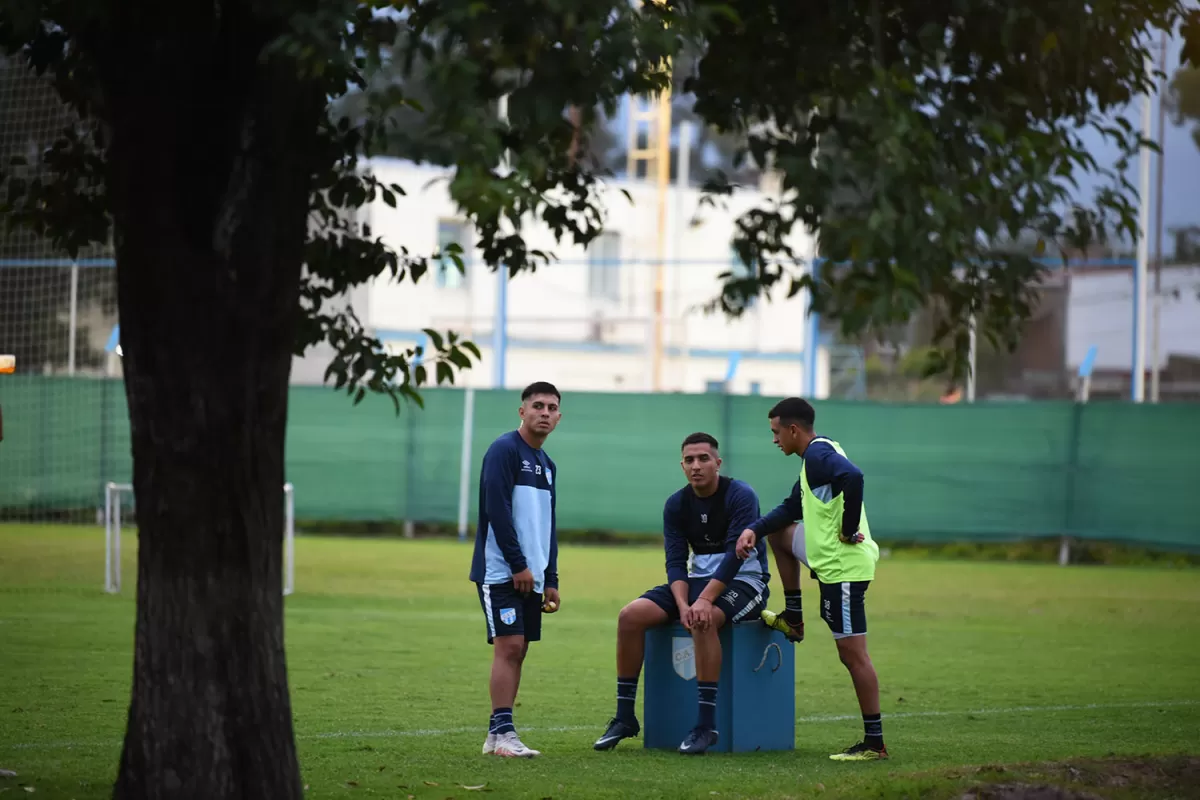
739 601
655 607
788 546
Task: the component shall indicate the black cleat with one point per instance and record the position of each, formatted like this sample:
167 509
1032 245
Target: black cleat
861 752
618 729
698 741
789 624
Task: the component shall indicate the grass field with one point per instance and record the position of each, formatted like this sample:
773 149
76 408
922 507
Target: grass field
980 665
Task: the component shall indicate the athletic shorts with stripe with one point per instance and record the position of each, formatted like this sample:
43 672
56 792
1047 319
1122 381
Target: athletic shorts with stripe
507 612
843 605
843 608
740 601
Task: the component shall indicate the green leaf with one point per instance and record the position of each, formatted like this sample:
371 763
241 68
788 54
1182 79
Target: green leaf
435 337
1190 32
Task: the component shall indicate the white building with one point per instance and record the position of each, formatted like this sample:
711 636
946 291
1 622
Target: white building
1100 314
586 321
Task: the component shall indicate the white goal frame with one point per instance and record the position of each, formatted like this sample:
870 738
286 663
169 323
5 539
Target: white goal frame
112 536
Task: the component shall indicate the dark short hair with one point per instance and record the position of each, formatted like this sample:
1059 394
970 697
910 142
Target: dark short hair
794 411
699 438
540 387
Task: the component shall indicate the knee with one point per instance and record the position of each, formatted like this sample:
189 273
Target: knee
628 620
781 540
511 649
853 652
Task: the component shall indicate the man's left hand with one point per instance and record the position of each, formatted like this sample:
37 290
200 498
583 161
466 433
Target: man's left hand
701 614
854 539
551 601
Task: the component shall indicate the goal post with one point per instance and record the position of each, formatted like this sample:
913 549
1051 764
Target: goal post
114 507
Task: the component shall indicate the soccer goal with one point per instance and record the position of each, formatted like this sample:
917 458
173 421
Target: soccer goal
114 506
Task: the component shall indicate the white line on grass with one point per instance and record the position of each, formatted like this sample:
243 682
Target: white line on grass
811 720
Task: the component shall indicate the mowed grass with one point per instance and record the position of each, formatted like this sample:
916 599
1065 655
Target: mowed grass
979 663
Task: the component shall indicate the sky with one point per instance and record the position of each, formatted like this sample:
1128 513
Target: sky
1181 168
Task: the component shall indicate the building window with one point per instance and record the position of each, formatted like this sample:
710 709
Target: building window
604 266
445 271
740 270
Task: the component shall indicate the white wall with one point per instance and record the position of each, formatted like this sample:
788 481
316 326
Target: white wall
558 327
1100 313
605 370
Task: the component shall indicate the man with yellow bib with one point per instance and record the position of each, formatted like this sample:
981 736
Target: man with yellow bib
823 525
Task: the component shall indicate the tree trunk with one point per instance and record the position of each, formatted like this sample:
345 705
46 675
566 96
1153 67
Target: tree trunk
209 168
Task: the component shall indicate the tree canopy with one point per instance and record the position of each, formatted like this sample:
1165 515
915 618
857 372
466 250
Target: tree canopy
1183 99
913 140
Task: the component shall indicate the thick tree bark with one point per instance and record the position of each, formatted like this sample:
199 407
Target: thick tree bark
210 160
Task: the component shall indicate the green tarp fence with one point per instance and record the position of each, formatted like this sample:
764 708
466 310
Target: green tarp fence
988 471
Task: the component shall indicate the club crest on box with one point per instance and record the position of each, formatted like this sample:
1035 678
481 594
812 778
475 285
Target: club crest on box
683 657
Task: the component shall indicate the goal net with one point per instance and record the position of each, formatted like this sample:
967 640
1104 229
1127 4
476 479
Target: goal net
118 501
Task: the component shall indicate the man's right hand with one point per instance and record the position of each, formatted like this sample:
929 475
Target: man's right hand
685 617
523 581
746 544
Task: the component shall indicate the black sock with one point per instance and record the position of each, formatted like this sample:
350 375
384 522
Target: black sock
626 698
502 721
791 599
873 728
708 704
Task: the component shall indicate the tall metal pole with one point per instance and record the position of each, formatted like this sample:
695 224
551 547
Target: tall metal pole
1143 254
500 322
658 152
663 157
683 176
73 326
972 360
1156 329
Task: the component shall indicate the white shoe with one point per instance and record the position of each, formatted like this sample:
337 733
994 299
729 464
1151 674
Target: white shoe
509 745
489 744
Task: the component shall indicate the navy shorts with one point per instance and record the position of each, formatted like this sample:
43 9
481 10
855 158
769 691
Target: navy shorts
510 613
843 608
740 601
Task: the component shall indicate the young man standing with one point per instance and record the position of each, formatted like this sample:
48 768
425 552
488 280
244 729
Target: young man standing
711 588
834 541
515 566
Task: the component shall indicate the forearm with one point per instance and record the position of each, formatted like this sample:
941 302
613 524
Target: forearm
784 514
551 574
676 550
728 567
713 590
776 519
852 491
511 550
679 590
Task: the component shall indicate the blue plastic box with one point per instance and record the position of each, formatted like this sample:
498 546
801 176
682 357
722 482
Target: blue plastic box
756 694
